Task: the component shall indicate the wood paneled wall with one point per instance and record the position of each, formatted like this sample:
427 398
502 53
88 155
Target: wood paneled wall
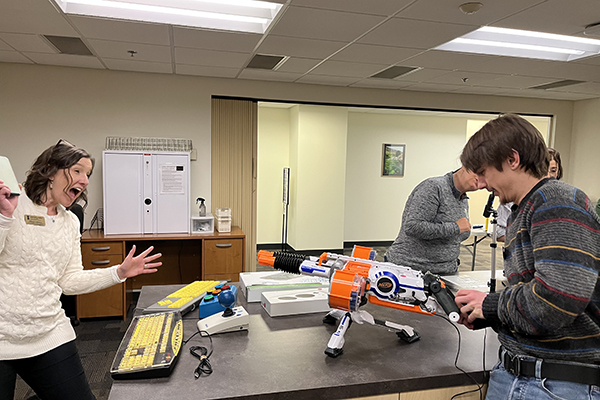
233 169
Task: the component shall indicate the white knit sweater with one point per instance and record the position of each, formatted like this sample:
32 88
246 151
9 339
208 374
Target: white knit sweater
37 264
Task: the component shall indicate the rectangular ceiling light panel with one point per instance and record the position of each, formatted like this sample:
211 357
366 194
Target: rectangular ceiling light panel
527 44
235 15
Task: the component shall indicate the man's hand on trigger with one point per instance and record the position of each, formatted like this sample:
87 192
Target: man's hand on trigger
464 225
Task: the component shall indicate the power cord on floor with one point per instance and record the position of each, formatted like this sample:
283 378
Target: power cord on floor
201 353
479 386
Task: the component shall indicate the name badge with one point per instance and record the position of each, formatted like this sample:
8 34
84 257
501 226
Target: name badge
35 220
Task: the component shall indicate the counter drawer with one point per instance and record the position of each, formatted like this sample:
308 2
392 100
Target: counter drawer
223 256
98 248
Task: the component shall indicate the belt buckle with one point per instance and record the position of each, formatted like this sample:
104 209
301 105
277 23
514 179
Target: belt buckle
515 364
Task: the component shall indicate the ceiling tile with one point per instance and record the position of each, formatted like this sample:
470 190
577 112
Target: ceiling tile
210 58
375 7
464 78
340 68
35 17
215 40
328 80
586 88
317 24
298 47
423 75
401 32
478 90
448 11
139 66
555 16
449 59
590 60
514 82
119 50
27 42
4 46
545 94
67 60
298 65
13 57
198 70
432 87
374 54
122 31
381 83
267 75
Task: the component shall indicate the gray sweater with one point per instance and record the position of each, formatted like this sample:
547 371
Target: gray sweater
429 238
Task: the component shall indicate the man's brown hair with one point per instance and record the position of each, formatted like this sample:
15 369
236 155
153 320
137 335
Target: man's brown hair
495 141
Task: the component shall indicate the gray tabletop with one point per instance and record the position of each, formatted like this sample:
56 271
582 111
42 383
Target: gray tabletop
282 358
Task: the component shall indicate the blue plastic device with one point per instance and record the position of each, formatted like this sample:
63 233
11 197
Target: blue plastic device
210 303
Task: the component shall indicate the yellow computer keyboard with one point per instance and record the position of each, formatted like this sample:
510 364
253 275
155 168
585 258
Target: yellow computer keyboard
184 299
150 347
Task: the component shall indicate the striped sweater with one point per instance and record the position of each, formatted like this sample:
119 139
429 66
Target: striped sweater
551 308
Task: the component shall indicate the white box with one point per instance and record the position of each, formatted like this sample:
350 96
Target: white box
252 284
295 302
223 213
203 224
223 225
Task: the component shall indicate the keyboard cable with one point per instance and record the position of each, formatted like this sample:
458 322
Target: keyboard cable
202 353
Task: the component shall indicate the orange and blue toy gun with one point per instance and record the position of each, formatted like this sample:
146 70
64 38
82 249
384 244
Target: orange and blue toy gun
357 279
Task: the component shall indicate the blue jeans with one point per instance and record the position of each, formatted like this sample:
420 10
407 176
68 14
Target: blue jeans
505 386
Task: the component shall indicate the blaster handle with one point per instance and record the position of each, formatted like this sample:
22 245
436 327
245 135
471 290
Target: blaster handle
443 296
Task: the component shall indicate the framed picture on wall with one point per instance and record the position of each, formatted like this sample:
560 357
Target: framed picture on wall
393 160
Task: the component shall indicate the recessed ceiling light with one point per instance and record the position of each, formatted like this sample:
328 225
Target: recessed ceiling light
236 15
519 43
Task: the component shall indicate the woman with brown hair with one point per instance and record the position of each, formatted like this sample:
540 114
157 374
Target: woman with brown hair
40 258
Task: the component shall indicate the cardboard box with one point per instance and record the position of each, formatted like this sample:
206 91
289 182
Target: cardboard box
252 284
296 301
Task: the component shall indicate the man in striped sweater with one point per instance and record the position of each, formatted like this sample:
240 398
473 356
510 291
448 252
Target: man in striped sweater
548 318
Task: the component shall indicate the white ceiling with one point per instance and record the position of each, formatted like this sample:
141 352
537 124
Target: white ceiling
330 42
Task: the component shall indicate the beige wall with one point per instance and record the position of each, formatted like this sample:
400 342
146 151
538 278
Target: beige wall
273 156
317 218
40 104
374 203
584 169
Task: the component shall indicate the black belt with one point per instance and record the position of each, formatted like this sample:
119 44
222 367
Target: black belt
587 374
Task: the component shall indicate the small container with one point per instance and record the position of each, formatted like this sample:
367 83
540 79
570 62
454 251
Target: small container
223 213
223 224
203 224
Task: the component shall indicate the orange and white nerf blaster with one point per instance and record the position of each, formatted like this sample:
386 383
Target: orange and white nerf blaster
358 279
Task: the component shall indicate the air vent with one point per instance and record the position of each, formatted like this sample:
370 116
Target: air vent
557 84
263 61
69 45
394 72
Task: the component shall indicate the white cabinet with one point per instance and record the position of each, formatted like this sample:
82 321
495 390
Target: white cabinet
146 192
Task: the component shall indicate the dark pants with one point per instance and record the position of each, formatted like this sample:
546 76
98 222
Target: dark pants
55 375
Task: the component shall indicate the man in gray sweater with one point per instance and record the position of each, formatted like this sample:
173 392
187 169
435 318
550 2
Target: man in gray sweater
434 223
548 318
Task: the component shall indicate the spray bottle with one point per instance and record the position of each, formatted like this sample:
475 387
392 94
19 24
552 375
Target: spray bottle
202 212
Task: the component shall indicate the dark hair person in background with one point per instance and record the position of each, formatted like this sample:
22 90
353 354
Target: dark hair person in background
548 318
40 258
555 170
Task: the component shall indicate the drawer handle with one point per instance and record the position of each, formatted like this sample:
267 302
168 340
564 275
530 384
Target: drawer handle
223 245
103 262
105 248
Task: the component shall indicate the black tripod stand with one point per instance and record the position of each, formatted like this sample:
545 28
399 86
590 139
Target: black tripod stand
487 212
